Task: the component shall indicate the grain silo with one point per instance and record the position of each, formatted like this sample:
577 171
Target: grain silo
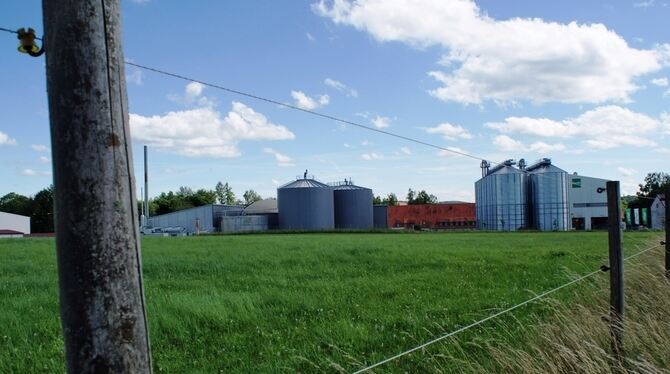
549 197
306 204
353 207
501 198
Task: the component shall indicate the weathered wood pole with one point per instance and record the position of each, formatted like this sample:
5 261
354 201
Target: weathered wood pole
99 267
616 266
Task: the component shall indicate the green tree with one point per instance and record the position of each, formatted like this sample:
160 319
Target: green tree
654 183
424 198
377 200
228 195
202 197
42 216
251 196
410 196
391 199
16 204
220 192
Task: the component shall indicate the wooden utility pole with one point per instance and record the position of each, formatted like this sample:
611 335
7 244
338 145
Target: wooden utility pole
616 266
99 267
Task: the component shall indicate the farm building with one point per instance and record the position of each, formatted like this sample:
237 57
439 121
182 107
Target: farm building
658 211
588 208
541 196
14 225
443 216
206 218
259 216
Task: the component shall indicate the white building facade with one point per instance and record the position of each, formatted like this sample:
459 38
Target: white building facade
14 222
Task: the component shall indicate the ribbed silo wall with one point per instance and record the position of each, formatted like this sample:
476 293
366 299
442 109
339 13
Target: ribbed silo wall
501 202
306 208
187 218
353 208
380 216
550 205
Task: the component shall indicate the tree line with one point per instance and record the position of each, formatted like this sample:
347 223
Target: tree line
413 198
185 198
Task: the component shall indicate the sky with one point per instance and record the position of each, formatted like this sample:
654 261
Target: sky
586 84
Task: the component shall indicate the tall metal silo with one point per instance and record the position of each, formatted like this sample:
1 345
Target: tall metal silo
549 197
501 198
353 207
306 204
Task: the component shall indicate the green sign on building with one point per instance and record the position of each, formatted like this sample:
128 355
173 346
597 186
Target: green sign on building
628 217
644 217
576 182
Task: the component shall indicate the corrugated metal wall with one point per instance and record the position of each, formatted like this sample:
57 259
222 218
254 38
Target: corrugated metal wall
380 216
208 215
353 207
433 216
244 224
306 205
551 211
502 200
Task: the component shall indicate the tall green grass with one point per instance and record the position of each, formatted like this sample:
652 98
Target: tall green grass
305 302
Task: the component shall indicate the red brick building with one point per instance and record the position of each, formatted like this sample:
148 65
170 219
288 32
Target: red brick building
449 216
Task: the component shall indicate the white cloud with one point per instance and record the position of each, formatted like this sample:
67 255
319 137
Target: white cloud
136 77
644 4
276 182
194 89
303 101
347 145
34 173
205 132
665 122
372 156
310 37
6 140
626 172
282 159
602 128
661 82
39 148
449 131
405 151
505 61
542 147
381 122
44 160
507 144
340 87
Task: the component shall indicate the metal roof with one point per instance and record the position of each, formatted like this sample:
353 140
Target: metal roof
350 187
305 183
262 207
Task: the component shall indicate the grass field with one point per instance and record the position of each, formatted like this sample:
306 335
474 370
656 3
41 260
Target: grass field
305 302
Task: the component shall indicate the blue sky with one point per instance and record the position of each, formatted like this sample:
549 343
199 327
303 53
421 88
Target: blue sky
585 83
